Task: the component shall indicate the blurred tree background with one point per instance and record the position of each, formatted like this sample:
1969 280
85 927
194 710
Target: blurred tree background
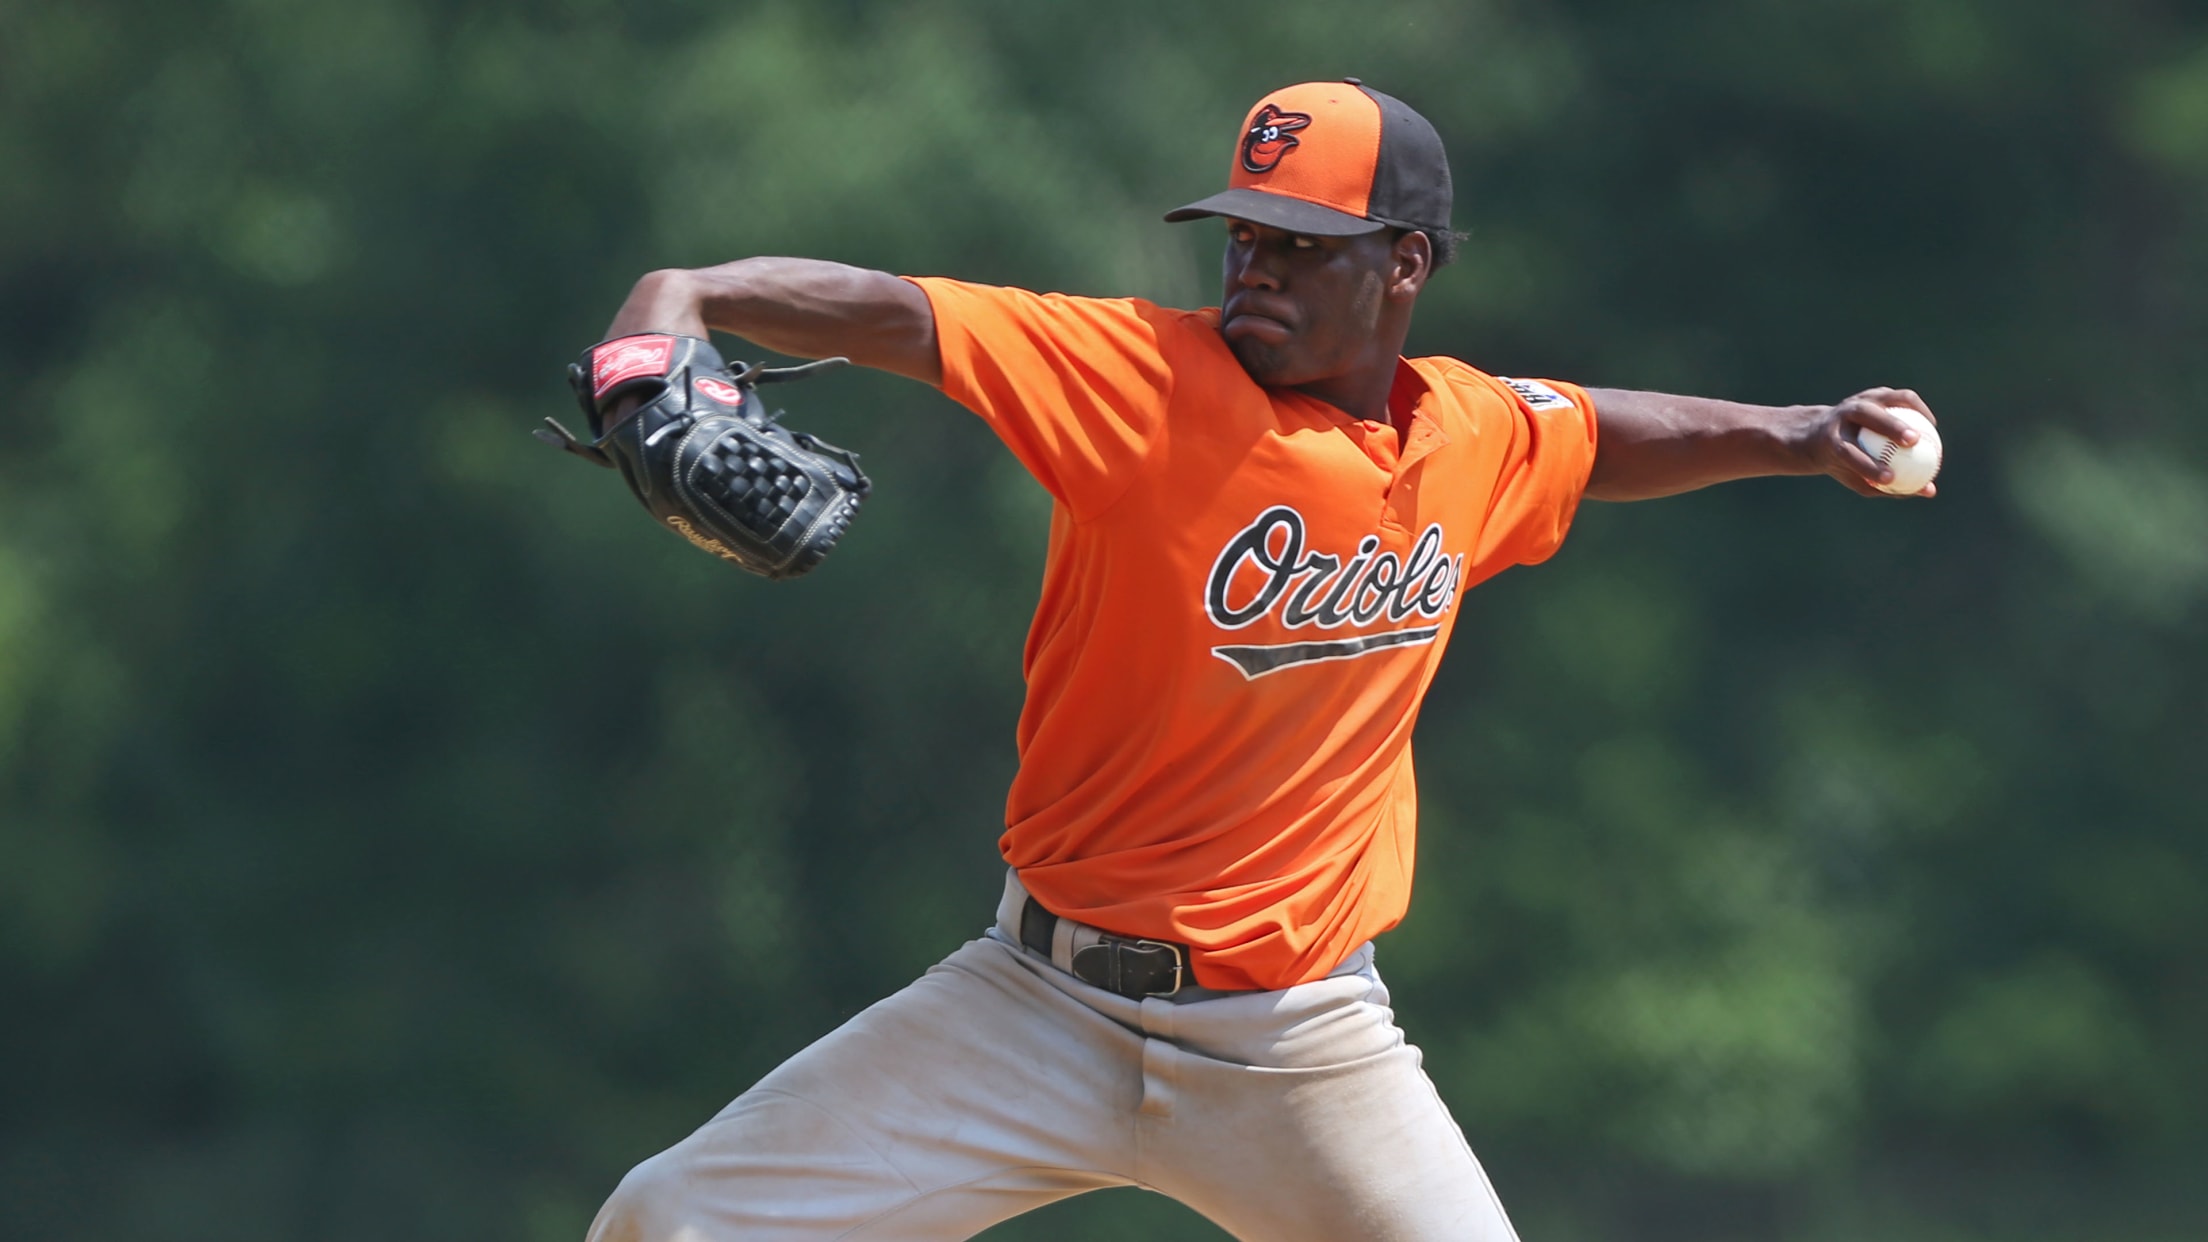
399 838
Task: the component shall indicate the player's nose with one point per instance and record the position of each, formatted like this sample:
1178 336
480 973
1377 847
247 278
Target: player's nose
1259 268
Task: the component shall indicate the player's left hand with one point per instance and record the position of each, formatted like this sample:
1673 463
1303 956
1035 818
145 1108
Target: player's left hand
1833 445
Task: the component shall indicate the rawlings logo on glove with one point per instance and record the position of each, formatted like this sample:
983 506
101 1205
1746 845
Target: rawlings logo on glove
706 459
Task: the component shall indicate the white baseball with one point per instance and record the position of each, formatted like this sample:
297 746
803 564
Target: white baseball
1914 465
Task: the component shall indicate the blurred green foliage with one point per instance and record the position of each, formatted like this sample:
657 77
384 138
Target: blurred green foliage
399 839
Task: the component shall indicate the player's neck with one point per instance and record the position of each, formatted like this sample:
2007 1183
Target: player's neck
1361 392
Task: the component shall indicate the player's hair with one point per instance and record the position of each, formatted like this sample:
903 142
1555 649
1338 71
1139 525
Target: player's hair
1443 244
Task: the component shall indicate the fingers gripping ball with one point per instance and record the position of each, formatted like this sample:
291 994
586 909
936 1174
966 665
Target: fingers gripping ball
1914 465
705 458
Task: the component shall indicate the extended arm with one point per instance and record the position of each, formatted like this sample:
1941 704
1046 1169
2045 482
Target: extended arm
1651 444
802 307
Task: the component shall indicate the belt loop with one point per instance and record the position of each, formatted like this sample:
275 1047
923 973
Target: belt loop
1010 905
1061 943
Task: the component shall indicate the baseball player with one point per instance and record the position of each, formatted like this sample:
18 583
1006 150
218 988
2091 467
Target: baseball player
1264 521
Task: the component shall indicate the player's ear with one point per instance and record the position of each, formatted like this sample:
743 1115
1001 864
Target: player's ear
1412 262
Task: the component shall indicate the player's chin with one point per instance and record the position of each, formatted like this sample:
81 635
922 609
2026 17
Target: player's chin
1270 365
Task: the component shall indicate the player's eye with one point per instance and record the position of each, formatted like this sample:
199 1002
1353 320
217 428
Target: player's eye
1300 242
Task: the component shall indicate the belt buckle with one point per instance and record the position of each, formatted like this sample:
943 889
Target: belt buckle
1111 974
1180 964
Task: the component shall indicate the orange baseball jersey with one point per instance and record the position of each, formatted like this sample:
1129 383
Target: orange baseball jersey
1246 595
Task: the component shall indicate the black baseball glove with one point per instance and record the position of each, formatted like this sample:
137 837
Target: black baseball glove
705 457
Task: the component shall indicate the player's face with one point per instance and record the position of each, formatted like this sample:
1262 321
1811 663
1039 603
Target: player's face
1299 309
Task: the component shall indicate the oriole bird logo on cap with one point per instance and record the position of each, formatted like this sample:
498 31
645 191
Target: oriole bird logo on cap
1272 135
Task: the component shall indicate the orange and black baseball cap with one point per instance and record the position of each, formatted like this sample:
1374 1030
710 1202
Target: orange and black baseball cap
1333 159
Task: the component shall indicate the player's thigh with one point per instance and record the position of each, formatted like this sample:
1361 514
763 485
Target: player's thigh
780 1170
1309 1116
1365 1150
975 1094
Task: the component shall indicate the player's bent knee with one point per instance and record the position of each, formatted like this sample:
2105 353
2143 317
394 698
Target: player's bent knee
770 1166
650 1204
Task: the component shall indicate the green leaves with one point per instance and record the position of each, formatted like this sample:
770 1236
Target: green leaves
2132 522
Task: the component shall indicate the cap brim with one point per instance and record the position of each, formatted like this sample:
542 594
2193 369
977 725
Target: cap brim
1277 210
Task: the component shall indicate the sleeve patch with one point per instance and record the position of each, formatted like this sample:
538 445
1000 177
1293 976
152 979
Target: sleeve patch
1537 395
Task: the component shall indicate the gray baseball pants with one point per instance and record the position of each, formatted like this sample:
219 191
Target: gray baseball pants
998 1083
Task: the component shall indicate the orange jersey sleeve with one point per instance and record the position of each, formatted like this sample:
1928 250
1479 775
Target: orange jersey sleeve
1543 468
1076 387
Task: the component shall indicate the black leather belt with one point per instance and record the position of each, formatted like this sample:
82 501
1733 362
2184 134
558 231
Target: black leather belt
1130 967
